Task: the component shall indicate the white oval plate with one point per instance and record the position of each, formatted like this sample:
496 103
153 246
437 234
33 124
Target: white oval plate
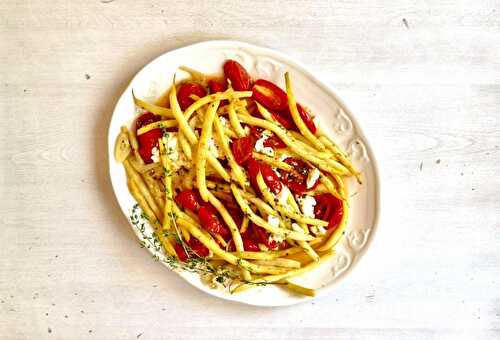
334 118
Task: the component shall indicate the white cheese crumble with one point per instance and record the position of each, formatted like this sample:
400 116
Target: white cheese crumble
171 143
224 121
318 230
266 150
155 155
312 177
276 238
274 221
282 196
307 204
213 148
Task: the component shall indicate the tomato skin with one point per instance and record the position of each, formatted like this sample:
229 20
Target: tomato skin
147 141
329 208
240 80
269 95
186 90
181 253
270 178
306 117
209 220
250 245
145 119
262 235
199 248
296 179
253 168
217 86
285 119
242 149
274 142
255 132
188 200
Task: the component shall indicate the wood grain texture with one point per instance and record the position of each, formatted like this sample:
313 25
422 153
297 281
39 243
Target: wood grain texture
422 77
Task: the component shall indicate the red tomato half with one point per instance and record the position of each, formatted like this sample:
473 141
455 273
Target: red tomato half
270 178
274 142
269 95
284 118
328 208
217 86
242 149
147 141
181 253
240 80
296 179
306 117
209 220
198 248
188 200
186 90
250 245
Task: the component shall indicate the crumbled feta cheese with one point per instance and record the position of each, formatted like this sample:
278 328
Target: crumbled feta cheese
224 121
273 220
266 150
172 146
276 238
318 230
312 177
307 204
155 155
247 130
282 196
213 148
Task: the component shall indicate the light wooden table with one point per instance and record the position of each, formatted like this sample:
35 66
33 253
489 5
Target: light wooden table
423 77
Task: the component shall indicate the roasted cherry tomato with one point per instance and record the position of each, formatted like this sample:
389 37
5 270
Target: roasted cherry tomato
250 245
188 200
269 95
181 253
242 149
147 141
306 117
274 142
262 236
255 132
253 168
329 208
270 178
284 118
198 248
146 119
296 179
186 90
209 220
217 86
240 80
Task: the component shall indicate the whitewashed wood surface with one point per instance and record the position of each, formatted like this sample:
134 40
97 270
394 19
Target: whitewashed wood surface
423 78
